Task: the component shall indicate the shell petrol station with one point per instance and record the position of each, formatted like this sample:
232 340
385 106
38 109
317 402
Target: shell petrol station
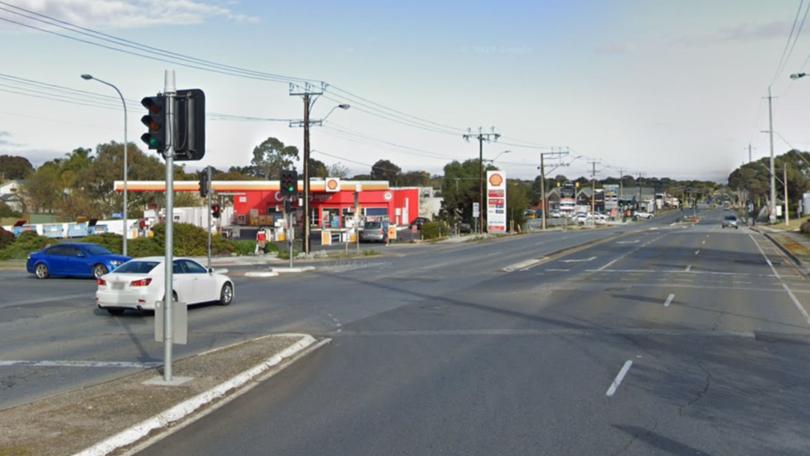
333 201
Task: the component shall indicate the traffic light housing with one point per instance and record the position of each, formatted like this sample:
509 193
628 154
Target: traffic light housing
155 121
189 110
204 183
216 210
289 183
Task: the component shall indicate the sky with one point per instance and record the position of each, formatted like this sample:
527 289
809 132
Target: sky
658 88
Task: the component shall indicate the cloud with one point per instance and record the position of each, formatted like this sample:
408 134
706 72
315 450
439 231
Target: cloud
5 139
741 33
133 13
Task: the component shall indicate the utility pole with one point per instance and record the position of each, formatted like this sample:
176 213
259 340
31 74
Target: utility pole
593 189
481 137
309 95
559 153
772 211
784 182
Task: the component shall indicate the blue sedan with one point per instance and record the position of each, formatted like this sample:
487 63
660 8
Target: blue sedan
73 260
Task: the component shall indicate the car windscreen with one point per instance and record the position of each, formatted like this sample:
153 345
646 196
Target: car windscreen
373 225
731 217
96 250
137 267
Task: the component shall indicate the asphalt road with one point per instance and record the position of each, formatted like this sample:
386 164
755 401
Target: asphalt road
687 340
55 321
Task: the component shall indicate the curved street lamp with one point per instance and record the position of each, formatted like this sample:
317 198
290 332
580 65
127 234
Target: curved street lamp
88 77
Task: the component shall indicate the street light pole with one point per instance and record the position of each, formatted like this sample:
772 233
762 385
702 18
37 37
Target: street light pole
88 77
772 216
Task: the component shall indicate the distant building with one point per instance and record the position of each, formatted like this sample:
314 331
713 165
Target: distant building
10 195
430 203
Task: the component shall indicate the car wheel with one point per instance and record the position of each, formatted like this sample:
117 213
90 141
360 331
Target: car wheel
41 271
99 270
116 311
226 295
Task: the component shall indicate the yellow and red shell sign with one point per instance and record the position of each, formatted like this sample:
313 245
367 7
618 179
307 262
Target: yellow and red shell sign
332 184
496 179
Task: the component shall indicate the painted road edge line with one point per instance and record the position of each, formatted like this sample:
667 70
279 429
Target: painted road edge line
784 285
669 299
618 380
261 274
185 408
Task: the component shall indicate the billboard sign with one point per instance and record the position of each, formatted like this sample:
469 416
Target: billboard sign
496 203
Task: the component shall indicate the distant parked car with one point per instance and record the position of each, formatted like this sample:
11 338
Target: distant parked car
464 228
730 221
372 232
581 217
73 260
418 222
555 214
138 284
644 215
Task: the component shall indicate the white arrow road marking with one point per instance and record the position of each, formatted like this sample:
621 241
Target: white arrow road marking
618 380
579 260
669 300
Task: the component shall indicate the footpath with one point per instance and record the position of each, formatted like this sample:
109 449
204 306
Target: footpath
131 412
796 245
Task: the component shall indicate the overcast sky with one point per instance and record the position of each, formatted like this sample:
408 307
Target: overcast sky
665 88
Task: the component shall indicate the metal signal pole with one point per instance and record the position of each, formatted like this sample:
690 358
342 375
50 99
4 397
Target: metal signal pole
169 90
481 137
208 196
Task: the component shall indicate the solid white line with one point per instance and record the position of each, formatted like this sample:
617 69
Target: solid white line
579 260
669 299
609 264
618 380
784 285
556 270
69 363
688 268
697 251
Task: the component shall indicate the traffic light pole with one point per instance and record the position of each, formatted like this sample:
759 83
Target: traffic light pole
169 91
208 196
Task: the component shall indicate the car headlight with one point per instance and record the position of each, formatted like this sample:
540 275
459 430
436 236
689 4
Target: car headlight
115 263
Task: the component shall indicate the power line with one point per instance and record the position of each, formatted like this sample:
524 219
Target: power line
782 57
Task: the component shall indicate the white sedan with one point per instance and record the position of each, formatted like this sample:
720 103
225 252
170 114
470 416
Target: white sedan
139 283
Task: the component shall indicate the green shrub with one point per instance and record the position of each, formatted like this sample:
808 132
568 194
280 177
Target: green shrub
435 229
109 241
190 240
6 238
244 247
27 243
142 247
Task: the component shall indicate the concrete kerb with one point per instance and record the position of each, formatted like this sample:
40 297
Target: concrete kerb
801 266
261 274
182 410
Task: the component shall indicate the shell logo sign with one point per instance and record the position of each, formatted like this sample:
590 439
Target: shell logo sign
495 179
332 184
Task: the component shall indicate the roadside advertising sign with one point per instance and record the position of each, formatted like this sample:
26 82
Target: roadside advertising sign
496 203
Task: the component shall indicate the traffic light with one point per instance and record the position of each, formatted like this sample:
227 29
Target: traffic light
216 211
189 110
289 183
204 183
155 120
